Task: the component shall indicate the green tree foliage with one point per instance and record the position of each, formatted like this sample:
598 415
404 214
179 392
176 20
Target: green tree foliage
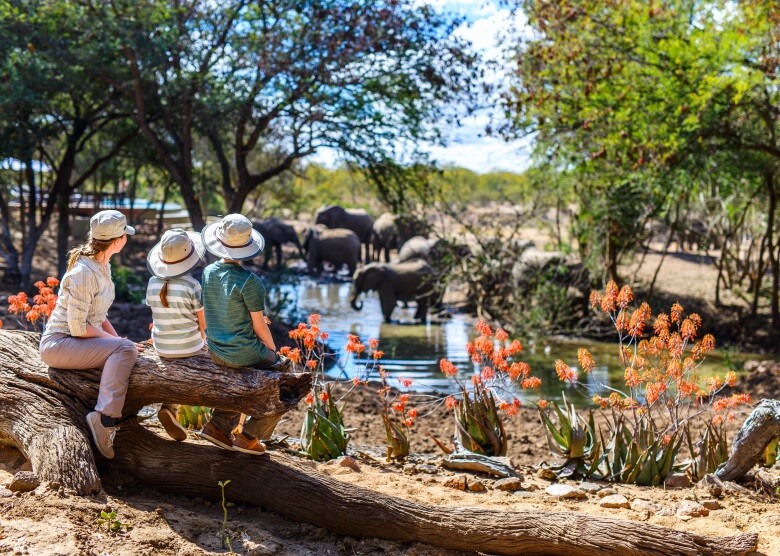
269 83
632 92
50 112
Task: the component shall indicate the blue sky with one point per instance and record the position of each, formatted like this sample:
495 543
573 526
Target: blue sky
467 145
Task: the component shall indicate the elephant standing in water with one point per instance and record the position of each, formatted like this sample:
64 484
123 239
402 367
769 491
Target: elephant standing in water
338 247
408 281
357 220
276 233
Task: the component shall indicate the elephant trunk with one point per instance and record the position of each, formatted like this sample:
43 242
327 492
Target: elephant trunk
353 299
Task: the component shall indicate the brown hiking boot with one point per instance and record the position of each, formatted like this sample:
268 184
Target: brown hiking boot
215 436
103 436
248 444
170 423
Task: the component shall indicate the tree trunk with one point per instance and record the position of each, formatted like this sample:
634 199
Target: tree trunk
43 413
760 428
42 410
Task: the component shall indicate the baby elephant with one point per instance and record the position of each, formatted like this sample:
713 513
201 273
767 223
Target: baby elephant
407 281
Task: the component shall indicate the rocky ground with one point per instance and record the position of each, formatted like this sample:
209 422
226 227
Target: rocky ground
48 520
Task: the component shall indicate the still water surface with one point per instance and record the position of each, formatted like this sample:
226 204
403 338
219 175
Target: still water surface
413 351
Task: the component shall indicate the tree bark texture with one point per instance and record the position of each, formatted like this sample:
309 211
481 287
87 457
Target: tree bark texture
760 428
42 412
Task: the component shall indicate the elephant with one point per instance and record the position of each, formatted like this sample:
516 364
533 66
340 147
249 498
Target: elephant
418 247
408 281
276 233
384 236
535 266
337 246
357 220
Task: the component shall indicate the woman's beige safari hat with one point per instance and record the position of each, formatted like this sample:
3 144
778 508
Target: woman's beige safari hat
233 238
109 224
177 253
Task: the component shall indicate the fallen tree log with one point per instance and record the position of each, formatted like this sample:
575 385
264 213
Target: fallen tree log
760 428
42 410
36 400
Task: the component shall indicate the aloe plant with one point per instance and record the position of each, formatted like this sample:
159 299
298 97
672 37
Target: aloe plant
397 442
639 456
478 425
323 436
709 452
574 439
193 416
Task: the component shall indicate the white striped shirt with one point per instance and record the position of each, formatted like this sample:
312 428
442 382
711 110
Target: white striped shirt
175 328
86 293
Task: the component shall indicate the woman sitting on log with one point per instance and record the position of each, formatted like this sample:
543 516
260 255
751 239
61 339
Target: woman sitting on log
178 324
79 334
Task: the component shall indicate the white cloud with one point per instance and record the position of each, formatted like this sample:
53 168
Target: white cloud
467 144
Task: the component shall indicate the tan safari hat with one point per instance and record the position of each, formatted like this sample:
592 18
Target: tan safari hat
177 253
233 237
109 224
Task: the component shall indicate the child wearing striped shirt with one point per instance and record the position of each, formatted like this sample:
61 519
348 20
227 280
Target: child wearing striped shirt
178 327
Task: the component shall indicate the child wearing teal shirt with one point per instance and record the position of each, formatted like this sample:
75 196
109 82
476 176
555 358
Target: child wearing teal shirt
236 329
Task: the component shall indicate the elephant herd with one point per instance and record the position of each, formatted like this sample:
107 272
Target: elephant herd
347 237
352 238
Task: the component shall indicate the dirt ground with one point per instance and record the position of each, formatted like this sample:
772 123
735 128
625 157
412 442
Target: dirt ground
52 522
49 521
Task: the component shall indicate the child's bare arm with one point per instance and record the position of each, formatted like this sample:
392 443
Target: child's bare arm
261 329
202 322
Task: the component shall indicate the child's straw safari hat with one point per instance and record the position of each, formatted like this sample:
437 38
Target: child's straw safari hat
177 253
233 238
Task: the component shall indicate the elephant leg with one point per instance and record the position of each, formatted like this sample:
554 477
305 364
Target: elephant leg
388 304
267 257
422 310
387 254
278 255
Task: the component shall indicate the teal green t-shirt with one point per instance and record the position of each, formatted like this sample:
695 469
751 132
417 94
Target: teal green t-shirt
230 293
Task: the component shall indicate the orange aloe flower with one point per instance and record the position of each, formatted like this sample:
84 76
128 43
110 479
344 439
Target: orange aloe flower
585 359
565 373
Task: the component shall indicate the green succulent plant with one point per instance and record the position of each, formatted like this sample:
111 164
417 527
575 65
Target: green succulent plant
574 439
397 441
479 428
709 452
194 416
323 435
639 455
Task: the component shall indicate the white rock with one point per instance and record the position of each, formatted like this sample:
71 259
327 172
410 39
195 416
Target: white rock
565 492
640 504
614 501
688 508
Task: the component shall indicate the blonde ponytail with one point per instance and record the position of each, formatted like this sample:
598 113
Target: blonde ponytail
89 248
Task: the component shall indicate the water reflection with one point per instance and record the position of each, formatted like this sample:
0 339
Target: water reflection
414 351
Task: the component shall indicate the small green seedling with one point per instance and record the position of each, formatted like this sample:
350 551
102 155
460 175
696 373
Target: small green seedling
112 523
223 534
